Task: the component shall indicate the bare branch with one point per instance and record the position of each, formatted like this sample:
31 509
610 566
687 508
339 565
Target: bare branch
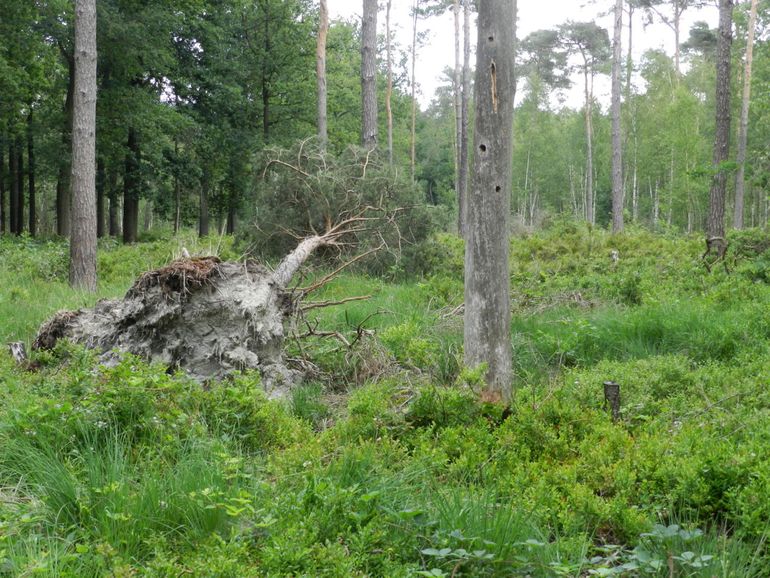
330 276
330 303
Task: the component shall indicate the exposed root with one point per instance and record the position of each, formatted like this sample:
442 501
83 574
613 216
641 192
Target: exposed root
54 329
182 277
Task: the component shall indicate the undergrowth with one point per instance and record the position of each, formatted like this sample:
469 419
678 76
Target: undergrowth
384 463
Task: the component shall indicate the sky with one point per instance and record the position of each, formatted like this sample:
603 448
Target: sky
438 51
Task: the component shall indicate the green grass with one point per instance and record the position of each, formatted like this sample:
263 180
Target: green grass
386 464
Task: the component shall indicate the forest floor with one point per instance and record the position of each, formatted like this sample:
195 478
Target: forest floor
383 463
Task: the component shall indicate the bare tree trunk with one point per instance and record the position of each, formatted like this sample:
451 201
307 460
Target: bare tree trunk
177 191
617 159
413 155
266 73
320 56
715 225
487 334
635 188
83 234
31 176
203 219
131 186
20 176
114 213
389 88
589 206
629 52
458 104
369 74
740 177
101 183
13 172
462 194
231 215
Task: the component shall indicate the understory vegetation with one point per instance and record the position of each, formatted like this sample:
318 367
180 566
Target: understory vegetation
384 462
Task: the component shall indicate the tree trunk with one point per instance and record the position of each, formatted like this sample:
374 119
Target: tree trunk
487 334
462 194
177 191
13 175
20 176
629 52
715 225
231 215
101 183
458 100
2 186
413 155
266 76
63 190
740 177
83 233
369 74
617 158
31 176
131 185
114 213
320 57
389 88
677 49
589 149
203 218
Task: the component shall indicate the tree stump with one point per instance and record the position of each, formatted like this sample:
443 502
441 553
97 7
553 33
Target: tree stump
612 399
18 351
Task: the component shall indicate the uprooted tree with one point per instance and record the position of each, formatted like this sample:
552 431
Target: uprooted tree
209 317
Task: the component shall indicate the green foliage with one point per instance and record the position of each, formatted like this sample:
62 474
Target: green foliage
305 191
128 469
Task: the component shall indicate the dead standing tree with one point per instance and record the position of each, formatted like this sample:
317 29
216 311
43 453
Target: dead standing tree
210 318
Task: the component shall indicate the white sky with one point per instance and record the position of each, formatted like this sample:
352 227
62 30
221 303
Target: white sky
438 52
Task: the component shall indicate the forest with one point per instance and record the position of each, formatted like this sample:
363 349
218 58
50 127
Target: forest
268 309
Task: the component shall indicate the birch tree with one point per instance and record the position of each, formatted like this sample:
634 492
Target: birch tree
740 177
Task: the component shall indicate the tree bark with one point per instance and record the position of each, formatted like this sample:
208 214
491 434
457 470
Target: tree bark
83 233
715 225
617 154
101 183
740 177
31 176
63 190
487 335
369 74
131 185
320 55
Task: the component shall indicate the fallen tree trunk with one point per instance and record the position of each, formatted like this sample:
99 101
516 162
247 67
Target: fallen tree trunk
201 315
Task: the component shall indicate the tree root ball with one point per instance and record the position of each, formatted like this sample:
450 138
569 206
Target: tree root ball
201 315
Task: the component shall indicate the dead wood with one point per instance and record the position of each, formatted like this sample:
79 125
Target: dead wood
204 316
